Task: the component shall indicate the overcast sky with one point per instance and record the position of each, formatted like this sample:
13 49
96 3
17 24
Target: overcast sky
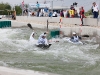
20 1
85 3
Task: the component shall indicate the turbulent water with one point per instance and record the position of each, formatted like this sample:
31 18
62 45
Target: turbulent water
61 58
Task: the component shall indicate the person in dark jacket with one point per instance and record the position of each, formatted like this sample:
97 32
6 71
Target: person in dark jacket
75 38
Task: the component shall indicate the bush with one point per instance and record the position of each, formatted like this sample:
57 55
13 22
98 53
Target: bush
4 7
88 13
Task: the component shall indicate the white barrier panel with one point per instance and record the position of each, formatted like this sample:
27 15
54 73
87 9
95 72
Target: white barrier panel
99 23
18 24
80 30
32 19
54 19
73 21
90 21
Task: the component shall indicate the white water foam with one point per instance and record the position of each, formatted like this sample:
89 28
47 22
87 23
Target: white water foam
10 71
63 51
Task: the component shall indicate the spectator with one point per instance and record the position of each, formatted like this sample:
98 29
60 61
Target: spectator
95 10
13 16
65 13
61 13
45 11
33 14
54 14
38 12
82 14
72 11
68 14
50 14
92 9
26 11
76 14
71 6
37 4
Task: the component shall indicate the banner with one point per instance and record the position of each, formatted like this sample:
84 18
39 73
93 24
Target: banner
42 5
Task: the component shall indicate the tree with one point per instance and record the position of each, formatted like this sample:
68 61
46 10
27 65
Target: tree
18 10
4 7
88 13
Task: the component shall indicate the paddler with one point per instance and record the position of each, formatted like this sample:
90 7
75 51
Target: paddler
32 36
42 39
75 37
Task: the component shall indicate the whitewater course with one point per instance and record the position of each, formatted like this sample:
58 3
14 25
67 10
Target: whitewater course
20 57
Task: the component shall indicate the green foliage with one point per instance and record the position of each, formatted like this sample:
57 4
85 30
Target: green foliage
18 10
88 13
4 7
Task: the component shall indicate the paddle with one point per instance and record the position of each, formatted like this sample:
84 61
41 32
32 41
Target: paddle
30 26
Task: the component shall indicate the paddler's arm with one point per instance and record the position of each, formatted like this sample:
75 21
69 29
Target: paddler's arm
72 37
79 37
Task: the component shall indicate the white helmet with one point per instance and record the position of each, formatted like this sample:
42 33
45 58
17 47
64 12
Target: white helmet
33 33
74 33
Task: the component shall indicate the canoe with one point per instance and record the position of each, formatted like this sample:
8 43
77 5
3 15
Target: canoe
43 46
69 40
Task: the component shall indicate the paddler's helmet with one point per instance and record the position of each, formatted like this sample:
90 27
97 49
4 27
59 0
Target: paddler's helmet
74 33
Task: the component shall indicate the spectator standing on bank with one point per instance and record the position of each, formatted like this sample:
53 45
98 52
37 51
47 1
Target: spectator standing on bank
68 14
38 12
71 7
61 13
92 9
50 13
82 14
76 14
37 4
95 10
13 16
45 11
72 11
54 14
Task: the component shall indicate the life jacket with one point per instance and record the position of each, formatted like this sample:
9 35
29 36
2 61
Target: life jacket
76 39
41 41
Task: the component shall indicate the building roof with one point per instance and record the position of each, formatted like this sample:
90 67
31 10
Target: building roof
59 7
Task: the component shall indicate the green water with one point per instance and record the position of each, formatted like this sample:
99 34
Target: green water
61 58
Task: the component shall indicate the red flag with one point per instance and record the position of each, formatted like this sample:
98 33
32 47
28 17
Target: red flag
23 3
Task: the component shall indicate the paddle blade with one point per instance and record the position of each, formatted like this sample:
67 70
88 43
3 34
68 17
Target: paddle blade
29 25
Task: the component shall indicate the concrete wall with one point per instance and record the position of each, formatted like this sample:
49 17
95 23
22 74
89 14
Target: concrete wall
90 21
73 21
81 30
31 19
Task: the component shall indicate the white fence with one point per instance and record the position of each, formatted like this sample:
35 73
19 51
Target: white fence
73 21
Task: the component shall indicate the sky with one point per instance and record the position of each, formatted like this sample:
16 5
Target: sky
87 4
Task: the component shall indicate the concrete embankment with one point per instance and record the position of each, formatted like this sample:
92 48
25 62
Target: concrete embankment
71 21
67 28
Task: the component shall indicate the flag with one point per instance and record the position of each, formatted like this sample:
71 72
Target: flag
23 3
